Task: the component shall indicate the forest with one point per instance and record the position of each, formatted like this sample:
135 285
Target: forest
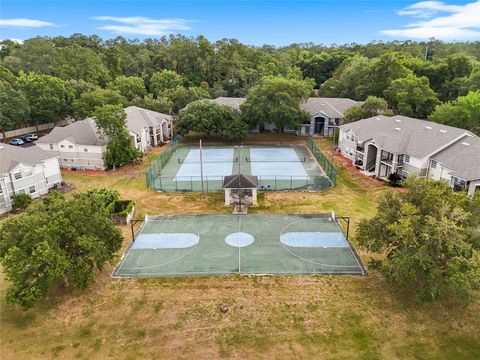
45 79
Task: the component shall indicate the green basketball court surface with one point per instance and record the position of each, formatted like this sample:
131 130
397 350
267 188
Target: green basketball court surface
240 244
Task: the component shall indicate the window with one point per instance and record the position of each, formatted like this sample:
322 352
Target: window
21 191
31 189
65 159
71 160
51 146
406 158
1 191
85 149
433 164
17 176
28 172
70 146
400 158
62 146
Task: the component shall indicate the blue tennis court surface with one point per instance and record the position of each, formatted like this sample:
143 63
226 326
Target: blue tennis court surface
313 239
217 164
277 163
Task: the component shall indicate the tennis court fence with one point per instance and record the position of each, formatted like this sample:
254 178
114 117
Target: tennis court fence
158 182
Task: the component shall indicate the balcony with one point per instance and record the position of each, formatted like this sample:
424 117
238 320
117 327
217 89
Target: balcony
386 157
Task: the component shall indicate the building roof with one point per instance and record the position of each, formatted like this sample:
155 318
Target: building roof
240 181
83 132
233 102
11 156
330 107
404 135
139 118
463 157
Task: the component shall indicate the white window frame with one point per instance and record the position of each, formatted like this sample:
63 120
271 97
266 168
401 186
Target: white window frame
433 164
17 175
30 189
406 158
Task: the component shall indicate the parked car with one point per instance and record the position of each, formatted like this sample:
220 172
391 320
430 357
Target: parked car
32 137
17 142
26 139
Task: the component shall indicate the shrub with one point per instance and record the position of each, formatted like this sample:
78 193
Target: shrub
394 180
21 201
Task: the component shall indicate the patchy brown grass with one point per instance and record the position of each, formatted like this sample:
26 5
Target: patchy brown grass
271 317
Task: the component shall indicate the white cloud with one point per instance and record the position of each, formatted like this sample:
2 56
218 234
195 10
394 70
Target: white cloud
141 25
440 21
25 23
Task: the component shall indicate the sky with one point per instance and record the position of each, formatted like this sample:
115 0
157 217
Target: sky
251 22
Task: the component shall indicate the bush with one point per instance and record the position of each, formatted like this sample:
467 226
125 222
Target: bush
394 180
21 201
122 207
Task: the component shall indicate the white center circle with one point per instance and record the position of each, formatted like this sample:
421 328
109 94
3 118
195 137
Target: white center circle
239 239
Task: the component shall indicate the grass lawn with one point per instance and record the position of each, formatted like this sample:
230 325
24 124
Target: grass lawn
321 317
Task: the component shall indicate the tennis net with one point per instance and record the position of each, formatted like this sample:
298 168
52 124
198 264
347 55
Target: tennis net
300 159
196 161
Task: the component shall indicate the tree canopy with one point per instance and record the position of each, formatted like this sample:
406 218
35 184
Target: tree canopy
463 112
56 241
206 117
370 107
411 96
430 237
277 100
111 122
166 73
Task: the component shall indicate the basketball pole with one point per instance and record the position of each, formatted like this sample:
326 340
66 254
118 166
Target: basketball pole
201 169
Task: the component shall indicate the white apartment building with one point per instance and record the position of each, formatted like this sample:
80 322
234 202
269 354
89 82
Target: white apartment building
26 171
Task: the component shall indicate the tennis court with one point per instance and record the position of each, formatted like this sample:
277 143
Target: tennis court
286 167
245 244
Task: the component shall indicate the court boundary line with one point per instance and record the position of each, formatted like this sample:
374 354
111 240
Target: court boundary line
306 216
311 261
171 261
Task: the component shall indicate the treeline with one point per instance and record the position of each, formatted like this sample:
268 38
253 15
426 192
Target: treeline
45 79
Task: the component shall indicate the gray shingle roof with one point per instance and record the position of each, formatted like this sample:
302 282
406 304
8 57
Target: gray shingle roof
139 118
331 107
82 132
11 156
240 181
404 135
463 157
233 102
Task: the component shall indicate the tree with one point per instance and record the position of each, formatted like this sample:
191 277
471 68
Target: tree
48 96
130 86
206 117
411 96
463 113
111 122
164 80
88 101
159 104
277 100
428 236
34 55
55 241
76 62
371 107
180 96
14 109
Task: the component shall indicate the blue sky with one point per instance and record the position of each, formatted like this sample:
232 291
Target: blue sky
251 22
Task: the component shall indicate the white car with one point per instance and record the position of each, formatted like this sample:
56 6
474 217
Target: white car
32 137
